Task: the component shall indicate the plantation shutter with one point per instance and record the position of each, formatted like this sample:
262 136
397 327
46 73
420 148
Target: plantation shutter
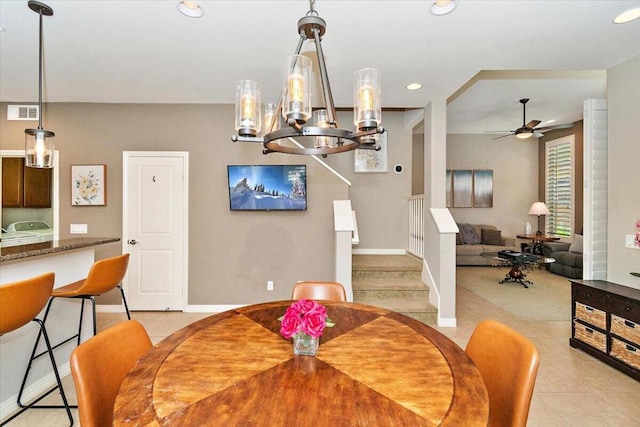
559 188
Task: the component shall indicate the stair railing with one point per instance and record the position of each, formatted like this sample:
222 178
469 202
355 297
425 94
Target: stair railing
416 226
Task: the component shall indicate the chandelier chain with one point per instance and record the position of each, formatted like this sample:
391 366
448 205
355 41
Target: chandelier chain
312 11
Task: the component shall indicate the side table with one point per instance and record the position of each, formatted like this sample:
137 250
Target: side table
536 242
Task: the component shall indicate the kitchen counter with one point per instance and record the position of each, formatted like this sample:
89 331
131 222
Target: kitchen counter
43 248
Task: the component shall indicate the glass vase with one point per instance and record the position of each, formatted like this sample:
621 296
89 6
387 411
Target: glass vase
305 345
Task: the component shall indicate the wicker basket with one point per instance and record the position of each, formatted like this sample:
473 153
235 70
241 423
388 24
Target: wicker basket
629 354
590 336
625 328
592 316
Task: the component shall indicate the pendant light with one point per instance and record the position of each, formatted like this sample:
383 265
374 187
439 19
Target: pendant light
38 148
292 117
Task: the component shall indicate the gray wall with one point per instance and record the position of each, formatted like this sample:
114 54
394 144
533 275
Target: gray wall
232 254
515 179
623 106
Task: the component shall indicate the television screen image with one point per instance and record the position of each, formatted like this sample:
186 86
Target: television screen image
267 187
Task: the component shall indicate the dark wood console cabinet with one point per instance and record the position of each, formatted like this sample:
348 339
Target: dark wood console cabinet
606 323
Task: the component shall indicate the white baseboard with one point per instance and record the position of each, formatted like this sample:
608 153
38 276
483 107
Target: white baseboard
379 251
9 406
447 322
191 308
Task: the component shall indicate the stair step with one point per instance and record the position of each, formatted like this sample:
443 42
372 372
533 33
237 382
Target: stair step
386 284
386 274
419 310
377 289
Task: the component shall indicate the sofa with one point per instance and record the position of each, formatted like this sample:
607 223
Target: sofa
568 257
474 239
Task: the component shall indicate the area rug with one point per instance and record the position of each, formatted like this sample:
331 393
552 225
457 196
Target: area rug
548 298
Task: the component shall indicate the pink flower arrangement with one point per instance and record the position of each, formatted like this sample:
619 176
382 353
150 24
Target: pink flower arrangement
305 317
637 238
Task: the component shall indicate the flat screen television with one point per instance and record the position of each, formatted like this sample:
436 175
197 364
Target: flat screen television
267 187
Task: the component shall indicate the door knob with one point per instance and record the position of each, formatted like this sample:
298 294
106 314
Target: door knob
133 242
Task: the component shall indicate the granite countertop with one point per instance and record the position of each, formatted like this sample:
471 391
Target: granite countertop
36 249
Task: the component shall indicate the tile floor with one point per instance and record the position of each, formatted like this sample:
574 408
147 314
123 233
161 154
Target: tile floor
572 389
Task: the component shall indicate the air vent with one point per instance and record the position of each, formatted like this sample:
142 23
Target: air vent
23 112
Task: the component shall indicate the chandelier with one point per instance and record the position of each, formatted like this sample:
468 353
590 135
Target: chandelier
39 149
292 117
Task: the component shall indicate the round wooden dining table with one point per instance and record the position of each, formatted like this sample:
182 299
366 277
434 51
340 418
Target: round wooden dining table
375 367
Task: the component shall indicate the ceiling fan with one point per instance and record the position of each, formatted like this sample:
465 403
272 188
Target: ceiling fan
528 130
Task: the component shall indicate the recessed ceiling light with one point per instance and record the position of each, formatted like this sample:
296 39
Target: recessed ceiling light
548 122
414 86
627 16
442 7
190 8
2 29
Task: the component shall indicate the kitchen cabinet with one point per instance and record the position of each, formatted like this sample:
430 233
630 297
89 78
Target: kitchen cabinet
606 323
24 187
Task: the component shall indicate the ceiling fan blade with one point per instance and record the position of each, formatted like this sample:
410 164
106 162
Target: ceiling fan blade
498 137
500 131
548 128
537 133
532 124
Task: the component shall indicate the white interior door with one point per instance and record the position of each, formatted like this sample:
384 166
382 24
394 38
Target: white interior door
155 189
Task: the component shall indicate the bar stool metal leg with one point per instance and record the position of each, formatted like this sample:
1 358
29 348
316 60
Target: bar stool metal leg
43 332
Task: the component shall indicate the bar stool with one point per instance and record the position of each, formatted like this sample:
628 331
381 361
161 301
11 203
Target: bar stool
21 302
104 275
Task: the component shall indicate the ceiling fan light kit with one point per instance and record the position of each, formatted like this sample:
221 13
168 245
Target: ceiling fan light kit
292 118
527 130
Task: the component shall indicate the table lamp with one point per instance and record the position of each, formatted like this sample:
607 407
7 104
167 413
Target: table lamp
539 208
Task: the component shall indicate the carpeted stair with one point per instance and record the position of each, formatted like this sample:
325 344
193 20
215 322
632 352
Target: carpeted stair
392 282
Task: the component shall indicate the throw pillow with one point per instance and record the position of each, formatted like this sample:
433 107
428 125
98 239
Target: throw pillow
459 239
469 235
490 237
576 244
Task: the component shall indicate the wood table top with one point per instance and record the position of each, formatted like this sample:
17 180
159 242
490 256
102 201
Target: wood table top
375 367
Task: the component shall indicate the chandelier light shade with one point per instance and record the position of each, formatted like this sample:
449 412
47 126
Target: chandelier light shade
248 107
296 94
320 120
367 110
270 118
37 144
293 118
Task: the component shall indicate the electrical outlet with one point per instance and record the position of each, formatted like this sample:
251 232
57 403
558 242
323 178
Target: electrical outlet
78 229
269 285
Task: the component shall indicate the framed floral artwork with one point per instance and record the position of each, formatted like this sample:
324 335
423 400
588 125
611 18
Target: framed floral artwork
89 185
370 160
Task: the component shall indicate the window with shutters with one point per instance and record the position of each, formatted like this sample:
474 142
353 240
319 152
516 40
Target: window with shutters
559 155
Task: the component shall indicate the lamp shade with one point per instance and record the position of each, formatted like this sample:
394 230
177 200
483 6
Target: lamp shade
539 208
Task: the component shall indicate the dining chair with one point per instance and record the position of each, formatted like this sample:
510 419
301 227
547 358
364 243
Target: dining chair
508 363
20 303
100 364
332 291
